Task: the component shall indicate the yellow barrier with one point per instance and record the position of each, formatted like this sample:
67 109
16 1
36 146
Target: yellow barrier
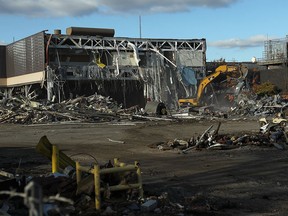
60 160
55 159
46 148
119 167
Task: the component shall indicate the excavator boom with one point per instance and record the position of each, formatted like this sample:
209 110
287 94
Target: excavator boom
243 70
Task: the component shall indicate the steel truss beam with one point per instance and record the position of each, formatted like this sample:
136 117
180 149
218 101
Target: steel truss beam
117 43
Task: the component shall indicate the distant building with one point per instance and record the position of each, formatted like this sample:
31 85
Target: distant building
88 60
275 59
275 52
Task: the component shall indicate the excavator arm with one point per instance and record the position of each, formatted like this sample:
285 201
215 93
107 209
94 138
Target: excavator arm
208 79
243 70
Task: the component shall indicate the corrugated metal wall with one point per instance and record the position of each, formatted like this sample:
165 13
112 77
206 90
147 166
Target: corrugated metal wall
26 55
2 61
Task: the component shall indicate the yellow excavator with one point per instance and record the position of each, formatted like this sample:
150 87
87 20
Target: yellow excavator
241 69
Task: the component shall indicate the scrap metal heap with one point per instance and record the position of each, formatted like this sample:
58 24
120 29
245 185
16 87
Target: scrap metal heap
25 110
97 108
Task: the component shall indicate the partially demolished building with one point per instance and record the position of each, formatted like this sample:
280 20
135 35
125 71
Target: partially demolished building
88 60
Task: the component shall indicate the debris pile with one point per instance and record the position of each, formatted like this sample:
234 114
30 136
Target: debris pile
269 135
244 105
97 108
253 106
94 108
66 193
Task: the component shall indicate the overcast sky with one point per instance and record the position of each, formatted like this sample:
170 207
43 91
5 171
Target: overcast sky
234 29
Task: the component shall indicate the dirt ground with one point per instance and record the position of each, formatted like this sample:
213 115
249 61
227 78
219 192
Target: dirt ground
248 180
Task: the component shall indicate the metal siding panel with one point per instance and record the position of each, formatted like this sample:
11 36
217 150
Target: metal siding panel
2 61
26 56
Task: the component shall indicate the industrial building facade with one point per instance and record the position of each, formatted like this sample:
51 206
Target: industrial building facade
89 60
275 59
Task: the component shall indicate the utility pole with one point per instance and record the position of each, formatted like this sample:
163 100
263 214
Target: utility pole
140 27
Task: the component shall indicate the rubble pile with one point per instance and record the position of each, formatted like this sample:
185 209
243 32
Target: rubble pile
94 108
268 136
253 106
246 104
97 108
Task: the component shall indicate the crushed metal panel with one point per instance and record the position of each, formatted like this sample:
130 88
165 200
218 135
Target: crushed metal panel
26 55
